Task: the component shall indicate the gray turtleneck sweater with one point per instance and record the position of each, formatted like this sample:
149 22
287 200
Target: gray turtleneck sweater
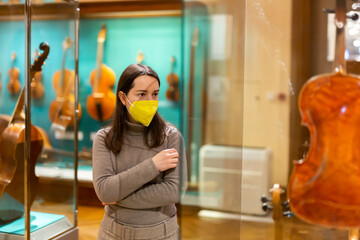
143 195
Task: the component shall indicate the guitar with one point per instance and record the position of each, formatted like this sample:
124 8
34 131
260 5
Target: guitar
62 109
324 187
12 140
173 80
37 88
101 103
14 85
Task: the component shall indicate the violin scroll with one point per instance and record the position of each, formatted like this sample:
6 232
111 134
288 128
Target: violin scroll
40 60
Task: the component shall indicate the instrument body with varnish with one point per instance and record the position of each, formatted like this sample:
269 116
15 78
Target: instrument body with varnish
101 103
62 109
14 85
12 140
324 187
172 93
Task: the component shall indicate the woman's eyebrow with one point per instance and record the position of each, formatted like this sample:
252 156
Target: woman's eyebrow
145 91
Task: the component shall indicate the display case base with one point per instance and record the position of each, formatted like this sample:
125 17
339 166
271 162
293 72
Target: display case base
43 226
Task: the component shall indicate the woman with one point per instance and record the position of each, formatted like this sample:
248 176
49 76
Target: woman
138 163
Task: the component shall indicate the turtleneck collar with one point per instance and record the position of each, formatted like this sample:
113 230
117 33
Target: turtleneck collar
135 128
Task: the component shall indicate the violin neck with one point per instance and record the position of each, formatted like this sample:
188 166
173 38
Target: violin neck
12 69
172 66
62 78
99 60
340 22
18 111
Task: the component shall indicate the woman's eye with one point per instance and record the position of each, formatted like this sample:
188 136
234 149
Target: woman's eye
141 94
156 94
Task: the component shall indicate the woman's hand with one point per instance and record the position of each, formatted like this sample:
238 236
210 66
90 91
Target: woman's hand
166 159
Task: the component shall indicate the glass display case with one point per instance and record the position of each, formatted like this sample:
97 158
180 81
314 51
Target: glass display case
39 120
252 58
212 120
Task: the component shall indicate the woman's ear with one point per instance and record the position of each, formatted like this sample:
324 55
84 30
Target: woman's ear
121 96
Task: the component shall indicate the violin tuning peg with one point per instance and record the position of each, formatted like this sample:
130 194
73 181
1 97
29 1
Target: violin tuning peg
265 207
288 214
286 204
265 199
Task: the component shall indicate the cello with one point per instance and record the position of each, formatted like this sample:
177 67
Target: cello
62 109
324 187
12 140
173 80
101 103
14 85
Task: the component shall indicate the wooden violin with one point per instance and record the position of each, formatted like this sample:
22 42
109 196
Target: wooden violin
172 93
279 207
62 109
14 85
12 140
324 187
37 88
101 103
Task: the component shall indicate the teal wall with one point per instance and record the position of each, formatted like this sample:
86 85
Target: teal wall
158 38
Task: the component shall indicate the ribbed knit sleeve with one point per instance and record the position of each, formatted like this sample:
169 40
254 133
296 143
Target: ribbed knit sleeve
110 186
173 183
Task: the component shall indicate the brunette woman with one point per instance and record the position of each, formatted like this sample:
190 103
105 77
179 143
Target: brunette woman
139 165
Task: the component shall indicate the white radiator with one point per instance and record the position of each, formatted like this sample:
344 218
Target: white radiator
234 179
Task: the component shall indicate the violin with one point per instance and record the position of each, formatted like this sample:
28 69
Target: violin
279 207
37 88
324 187
14 85
62 109
173 80
12 144
101 103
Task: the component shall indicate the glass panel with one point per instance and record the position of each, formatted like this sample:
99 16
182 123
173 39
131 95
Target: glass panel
53 114
281 53
212 119
11 129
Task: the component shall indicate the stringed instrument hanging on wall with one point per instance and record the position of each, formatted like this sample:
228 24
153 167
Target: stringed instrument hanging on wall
324 187
172 92
62 109
14 85
101 103
190 145
12 140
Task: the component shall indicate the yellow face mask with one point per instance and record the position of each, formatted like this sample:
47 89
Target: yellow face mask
143 111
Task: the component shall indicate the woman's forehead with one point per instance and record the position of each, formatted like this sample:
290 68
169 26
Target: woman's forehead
146 82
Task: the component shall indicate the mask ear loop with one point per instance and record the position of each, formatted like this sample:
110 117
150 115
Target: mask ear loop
127 99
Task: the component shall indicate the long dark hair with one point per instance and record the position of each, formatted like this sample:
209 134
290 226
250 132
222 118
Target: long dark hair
156 129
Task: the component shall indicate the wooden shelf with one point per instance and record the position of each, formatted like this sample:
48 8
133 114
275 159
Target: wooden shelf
87 7
93 9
